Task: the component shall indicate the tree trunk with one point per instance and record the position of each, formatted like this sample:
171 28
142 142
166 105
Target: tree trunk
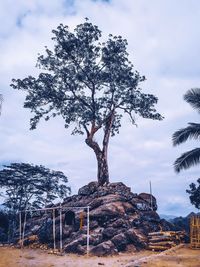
103 174
101 154
102 164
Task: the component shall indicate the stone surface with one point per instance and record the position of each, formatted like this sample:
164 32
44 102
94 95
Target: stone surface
150 199
88 189
109 232
120 242
119 220
104 249
136 237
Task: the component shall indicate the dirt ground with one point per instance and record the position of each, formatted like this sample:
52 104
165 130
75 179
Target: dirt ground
11 257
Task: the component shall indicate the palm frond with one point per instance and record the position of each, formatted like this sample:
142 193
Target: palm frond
192 97
182 135
187 160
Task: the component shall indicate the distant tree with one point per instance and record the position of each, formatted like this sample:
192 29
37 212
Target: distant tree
90 84
31 186
194 192
192 157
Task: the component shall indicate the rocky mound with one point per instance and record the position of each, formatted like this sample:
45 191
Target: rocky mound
119 220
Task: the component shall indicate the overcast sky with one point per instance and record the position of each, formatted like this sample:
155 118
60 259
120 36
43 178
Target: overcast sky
163 43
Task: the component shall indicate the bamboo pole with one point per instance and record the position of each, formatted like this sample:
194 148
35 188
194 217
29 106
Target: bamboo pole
61 247
88 230
23 234
151 201
20 228
57 207
54 231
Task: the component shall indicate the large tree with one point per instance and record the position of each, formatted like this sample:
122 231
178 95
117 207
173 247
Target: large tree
31 186
192 131
90 84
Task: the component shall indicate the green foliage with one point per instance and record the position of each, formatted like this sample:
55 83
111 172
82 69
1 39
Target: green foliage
31 186
192 97
85 80
192 157
194 192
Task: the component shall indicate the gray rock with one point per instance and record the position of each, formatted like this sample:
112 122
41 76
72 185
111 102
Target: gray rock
136 237
109 232
120 223
115 214
120 242
104 249
88 189
96 239
150 199
74 247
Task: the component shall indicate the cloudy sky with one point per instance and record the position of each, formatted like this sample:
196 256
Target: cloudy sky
164 42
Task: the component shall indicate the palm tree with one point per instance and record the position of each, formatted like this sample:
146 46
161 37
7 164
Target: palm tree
192 157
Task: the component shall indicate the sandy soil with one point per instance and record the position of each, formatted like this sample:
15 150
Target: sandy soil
11 257
183 257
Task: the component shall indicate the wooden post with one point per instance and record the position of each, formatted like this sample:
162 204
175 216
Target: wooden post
54 231
20 228
88 230
60 228
81 220
151 201
24 228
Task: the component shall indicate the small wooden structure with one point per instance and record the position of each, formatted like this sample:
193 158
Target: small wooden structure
70 220
195 232
163 240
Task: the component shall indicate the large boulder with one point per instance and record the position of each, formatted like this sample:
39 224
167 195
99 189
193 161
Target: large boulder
109 210
150 199
120 241
120 223
119 220
74 247
136 237
89 189
109 232
104 249
45 234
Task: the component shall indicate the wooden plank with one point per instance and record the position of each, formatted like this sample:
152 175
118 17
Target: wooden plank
168 244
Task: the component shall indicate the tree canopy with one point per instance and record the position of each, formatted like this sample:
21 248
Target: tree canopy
31 186
91 84
194 192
